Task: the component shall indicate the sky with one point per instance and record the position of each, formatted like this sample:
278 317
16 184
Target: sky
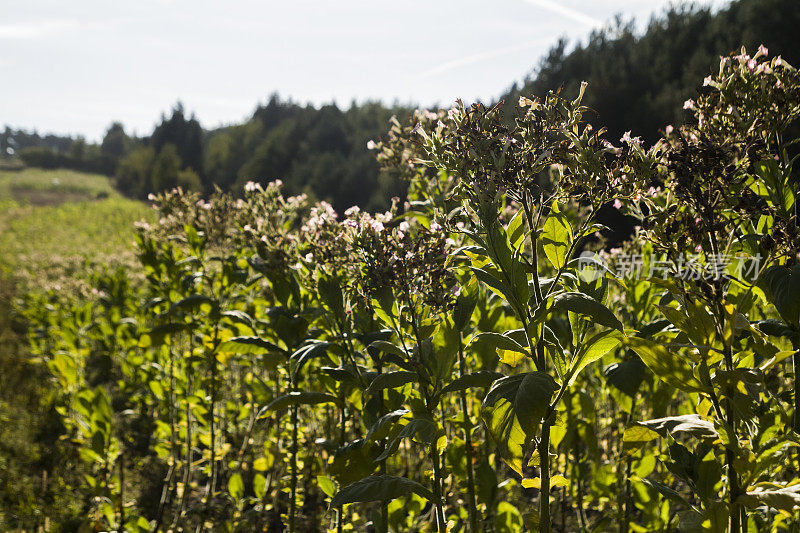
75 67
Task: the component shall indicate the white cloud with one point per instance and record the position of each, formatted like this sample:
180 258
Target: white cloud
35 30
567 12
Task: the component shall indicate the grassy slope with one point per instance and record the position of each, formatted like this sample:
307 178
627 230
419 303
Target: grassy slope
55 222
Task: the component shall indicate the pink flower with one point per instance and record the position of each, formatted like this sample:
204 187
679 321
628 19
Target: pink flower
669 129
706 81
751 65
698 248
435 227
763 50
688 104
617 204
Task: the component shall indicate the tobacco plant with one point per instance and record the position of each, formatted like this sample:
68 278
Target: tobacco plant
477 358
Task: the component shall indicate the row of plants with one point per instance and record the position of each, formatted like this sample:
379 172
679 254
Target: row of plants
470 360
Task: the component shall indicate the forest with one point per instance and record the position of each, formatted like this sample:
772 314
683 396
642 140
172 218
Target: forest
463 346
639 81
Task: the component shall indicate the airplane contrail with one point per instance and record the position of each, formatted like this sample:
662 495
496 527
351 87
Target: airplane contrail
475 58
567 12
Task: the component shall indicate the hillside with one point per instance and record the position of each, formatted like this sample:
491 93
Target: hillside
55 223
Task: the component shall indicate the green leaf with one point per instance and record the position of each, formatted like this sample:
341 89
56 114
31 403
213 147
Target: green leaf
297 398
353 461
249 345
379 487
782 286
327 485
236 486
259 485
330 292
636 436
513 410
388 347
556 237
670 494
306 353
391 380
781 497
482 378
584 305
592 350
516 229
627 376
693 425
503 343
666 364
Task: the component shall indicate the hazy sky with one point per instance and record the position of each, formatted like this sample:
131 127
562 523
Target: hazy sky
74 67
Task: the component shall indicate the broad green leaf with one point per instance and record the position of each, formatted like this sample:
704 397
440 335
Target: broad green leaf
236 486
584 305
513 410
297 398
627 376
592 350
556 237
379 487
482 378
259 485
391 380
666 364
249 345
636 436
353 461
327 485
782 287
777 496
330 292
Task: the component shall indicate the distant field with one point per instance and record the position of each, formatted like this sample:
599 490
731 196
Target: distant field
54 224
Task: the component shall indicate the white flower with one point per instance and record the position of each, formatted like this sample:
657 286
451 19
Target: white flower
688 104
435 227
250 186
706 81
669 129
626 138
352 211
404 226
617 204
377 226
371 145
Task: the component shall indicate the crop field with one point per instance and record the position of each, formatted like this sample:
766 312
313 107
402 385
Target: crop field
473 359
56 225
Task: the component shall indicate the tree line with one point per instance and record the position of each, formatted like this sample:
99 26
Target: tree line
639 82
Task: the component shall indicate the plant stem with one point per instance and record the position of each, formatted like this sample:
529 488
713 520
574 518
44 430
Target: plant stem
472 506
544 476
293 463
437 487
